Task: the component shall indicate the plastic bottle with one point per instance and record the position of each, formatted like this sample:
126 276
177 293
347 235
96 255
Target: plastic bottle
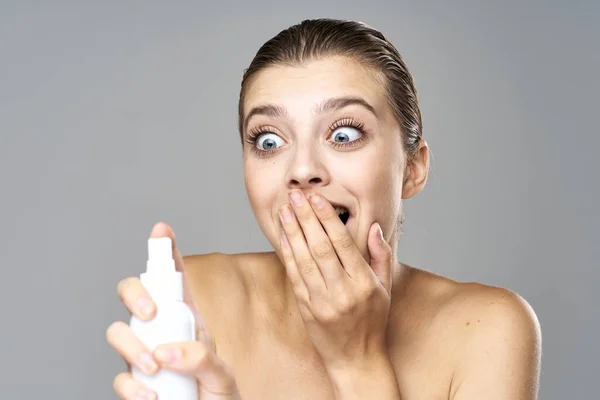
173 322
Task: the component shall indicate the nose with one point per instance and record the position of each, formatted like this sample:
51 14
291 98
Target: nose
307 170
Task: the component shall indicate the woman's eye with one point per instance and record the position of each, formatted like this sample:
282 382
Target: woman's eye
345 134
269 141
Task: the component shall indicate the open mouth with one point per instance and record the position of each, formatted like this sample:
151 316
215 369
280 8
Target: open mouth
343 213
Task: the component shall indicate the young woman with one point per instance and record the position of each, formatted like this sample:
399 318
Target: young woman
331 132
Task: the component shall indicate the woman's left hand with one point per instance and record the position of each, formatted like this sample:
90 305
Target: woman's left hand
343 300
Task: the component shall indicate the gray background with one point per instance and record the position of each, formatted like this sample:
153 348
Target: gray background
118 114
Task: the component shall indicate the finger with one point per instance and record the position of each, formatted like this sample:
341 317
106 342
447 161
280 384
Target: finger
381 256
298 284
197 359
128 388
121 338
308 269
162 229
136 298
339 236
319 245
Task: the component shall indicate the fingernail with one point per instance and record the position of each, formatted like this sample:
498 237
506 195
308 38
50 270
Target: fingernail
285 214
316 200
380 233
147 363
145 394
166 355
297 198
145 306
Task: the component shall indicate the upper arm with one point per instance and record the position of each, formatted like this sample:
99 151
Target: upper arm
502 350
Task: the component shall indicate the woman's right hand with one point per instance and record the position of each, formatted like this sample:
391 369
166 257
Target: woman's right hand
196 358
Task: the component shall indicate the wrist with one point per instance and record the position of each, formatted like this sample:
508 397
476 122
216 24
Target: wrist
372 377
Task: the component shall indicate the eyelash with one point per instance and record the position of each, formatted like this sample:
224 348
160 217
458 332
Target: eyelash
348 123
255 133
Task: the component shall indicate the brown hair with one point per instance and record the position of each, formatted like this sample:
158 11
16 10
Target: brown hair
317 38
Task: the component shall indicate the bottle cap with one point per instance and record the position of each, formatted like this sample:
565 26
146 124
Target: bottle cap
161 279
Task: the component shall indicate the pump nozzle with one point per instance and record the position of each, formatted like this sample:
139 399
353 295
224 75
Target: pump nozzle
160 255
160 248
161 279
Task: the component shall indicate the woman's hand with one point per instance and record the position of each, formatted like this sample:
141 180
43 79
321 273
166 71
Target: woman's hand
196 358
343 300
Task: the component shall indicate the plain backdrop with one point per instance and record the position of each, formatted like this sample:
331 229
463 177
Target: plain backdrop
117 114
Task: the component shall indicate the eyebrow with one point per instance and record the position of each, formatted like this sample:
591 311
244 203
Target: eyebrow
333 104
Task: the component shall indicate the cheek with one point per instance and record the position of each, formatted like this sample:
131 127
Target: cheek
261 187
383 191
380 188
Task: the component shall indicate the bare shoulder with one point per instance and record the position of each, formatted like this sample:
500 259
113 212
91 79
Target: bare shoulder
222 286
497 338
226 276
211 269
218 271
498 308
474 308
228 282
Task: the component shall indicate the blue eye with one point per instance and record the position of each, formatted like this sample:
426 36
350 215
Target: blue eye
345 134
269 141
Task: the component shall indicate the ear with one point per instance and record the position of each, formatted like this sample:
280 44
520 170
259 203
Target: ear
416 172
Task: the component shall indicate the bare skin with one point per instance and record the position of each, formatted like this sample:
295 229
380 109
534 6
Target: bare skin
412 334
436 329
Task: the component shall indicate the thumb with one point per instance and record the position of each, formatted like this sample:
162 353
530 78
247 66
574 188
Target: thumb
381 256
161 229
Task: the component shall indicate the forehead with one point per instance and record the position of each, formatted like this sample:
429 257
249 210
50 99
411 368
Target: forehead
299 88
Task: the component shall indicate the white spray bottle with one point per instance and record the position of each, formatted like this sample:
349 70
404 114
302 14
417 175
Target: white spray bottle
173 322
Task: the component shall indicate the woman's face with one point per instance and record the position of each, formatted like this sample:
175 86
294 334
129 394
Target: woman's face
324 127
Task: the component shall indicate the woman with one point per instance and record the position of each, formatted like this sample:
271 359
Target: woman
331 132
